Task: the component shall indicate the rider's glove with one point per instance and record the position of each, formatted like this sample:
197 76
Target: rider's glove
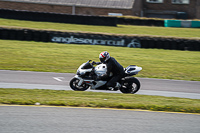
93 63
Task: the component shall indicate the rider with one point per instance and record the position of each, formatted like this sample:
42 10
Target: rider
112 66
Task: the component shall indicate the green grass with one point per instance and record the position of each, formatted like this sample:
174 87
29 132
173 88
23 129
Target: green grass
53 57
98 100
120 29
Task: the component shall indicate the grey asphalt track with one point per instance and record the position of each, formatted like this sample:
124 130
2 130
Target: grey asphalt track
60 81
28 119
40 119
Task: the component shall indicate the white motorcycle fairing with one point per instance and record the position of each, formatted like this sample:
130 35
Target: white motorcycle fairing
132 70
90 82
99 70
83 71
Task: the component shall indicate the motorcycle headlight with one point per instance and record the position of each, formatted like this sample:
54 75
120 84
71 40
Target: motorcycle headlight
78 72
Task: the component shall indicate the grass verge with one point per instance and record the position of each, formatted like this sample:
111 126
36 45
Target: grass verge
120 29
53 57
98 100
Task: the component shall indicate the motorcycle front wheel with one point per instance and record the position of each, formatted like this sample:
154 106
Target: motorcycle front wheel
131 85
74 85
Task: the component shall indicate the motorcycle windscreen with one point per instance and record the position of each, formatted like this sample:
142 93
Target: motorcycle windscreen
87 66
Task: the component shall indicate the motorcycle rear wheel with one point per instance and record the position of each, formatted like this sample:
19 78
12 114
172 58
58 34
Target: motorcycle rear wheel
74 85
131 85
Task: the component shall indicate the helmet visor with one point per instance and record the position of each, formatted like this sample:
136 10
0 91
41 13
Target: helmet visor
103 59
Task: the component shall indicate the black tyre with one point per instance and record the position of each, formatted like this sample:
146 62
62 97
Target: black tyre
74 85
131 85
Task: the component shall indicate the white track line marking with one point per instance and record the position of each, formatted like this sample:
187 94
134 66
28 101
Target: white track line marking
60 79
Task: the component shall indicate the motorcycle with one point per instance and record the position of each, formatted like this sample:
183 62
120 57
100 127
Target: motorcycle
87 74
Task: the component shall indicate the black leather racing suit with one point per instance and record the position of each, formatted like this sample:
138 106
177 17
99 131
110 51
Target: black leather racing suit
117 70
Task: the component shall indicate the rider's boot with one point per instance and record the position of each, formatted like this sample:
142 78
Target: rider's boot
118 86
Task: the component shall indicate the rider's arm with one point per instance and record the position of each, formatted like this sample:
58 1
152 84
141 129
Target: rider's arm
109 68
96 63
